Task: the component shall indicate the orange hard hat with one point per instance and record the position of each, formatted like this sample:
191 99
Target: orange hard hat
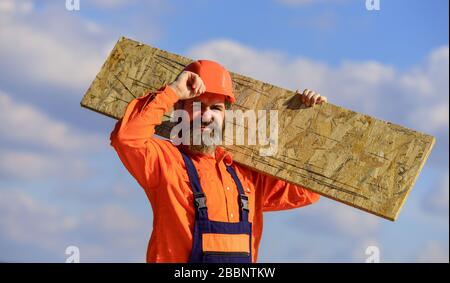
215 77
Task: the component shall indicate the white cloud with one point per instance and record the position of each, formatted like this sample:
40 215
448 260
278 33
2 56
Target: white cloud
14 6
434 252
61 54
38 147
351 84
62 48
428 85
49 60
119 222
111 3
103 233
93 27
22 123
116 4
27 221
242 59
324 232
341 220
437 200
29 165
308 2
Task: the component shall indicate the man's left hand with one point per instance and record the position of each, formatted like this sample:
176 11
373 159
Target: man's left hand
310 98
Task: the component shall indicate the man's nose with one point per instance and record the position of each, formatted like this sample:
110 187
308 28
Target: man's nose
207 116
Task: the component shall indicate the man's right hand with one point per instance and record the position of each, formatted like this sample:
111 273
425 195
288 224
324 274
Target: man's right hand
188 85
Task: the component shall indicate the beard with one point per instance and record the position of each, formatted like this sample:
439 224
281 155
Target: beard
210 138
202 148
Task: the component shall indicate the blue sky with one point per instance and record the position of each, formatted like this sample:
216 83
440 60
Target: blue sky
61 183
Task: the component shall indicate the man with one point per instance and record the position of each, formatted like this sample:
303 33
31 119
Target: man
205 207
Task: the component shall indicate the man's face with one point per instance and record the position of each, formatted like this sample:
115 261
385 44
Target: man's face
210 110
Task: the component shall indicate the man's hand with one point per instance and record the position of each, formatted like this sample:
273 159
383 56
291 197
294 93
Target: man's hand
310 98
188 85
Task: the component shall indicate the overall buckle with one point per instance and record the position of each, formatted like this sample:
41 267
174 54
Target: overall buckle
244 202
200 200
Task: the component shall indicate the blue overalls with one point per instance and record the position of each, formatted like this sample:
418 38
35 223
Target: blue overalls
204 226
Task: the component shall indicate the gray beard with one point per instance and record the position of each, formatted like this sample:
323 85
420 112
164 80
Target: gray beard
203 148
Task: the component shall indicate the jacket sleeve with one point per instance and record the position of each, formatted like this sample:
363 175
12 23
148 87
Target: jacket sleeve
132 137
280 195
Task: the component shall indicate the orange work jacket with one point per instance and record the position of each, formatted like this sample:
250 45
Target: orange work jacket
158 167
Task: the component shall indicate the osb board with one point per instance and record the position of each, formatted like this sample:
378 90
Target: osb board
350 157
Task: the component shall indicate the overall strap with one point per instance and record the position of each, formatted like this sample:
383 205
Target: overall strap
243 199
199 196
